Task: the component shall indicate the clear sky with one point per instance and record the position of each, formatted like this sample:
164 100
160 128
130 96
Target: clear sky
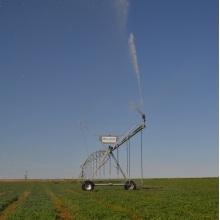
66 61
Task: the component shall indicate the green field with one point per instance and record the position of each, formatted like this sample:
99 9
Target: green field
159 199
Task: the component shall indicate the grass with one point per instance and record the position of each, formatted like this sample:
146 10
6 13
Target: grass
159 199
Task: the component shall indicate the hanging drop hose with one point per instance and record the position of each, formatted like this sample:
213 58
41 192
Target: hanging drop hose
141 162
118 162
110 173
129 160
127 156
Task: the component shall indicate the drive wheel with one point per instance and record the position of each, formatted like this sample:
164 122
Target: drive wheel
130 185
88 185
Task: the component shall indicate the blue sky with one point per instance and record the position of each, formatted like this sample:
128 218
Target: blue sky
62 62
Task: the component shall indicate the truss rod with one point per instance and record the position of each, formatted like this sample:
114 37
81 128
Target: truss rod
142 126
118 166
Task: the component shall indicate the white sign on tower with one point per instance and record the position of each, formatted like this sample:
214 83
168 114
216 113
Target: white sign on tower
109 139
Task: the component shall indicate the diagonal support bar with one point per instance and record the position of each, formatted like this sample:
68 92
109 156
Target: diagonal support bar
141 127
118 166
100 164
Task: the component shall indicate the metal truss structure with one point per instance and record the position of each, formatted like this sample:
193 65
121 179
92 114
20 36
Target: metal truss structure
96 160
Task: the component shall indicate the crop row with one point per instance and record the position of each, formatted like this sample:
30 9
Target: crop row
10 193
37 204
6 199
83 205
159 199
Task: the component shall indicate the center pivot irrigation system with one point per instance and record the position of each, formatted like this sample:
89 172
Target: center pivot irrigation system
99 158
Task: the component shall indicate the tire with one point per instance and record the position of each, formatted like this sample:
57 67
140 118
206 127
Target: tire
130 185
88 185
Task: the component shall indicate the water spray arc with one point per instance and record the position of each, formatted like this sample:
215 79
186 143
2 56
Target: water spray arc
135 62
